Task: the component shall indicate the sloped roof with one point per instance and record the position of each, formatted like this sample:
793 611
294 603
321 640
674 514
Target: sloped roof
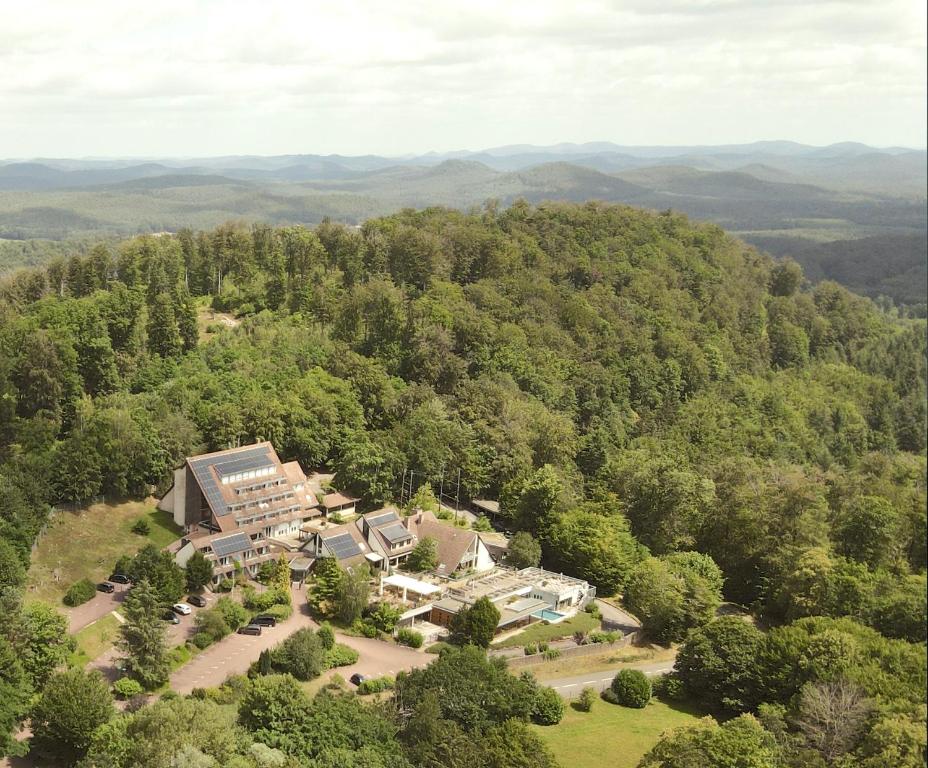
451 543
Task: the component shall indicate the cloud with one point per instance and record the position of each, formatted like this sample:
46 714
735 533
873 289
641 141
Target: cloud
207 77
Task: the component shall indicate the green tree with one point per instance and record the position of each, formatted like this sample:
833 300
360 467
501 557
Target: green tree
473 691
72 706
301 655
475 624
42 641
424 556
741 742
868 530
158 568
198 571
142 636
164 337
326 578
717 664
523 551
353 593
15 694
594 546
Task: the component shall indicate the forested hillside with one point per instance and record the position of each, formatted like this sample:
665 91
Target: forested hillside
631 385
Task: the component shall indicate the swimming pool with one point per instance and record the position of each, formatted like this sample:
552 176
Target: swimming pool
546 614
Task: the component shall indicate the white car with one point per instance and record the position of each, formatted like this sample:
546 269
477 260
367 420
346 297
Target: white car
182 608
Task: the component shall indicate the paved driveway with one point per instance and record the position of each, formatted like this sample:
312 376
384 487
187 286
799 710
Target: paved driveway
235 654
95 608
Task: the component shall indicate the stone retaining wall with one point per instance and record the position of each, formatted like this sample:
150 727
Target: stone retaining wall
577 650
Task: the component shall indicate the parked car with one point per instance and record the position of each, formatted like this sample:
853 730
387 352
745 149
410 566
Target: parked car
120 578
171 616
264 620
357 678
197 600
105 586
182 608
250 629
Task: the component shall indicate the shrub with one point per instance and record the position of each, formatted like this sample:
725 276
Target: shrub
336 681
300 655
267 571
340 656
632 688
265 600
202 640
551 654
79 592
234 614
365 628
376 685
531 649
482 524
669 687
213 624
585 699
444 514
438 647
279 612
225 585
126 688
326 635
548 707
141 527
384 617
604 637
410 637
542 647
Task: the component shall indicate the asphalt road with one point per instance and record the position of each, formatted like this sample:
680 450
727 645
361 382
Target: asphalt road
95 608
234 654
569 687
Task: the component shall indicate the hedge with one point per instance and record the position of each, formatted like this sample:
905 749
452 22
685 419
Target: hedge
79 592
376 685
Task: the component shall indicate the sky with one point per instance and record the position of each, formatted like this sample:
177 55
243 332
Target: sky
215 77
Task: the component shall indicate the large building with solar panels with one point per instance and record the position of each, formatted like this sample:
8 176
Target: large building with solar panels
232 504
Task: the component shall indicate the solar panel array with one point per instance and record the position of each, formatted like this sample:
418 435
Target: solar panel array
395 532
229 545
343 546
383 518
207 481
258 460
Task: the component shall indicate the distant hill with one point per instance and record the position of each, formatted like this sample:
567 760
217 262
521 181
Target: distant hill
791 196
883 265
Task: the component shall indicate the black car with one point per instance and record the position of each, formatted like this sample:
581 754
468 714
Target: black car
357 678
250 629
264 620
171 616
120 578
105 586
197 600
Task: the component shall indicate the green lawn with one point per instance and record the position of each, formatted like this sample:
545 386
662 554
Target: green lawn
610 734
544 633
94 639
87 543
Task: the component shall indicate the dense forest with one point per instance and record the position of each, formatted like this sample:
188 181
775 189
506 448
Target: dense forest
673 415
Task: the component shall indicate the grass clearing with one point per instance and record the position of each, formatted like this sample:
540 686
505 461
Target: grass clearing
585 739
94 639
86 544
545 633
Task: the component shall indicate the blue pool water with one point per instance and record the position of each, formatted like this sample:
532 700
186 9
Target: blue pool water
546 614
